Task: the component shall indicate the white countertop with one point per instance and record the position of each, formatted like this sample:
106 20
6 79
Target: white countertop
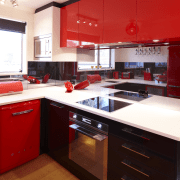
159 115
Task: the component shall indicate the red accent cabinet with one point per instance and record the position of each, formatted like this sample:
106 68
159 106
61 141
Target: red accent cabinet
119 21
173 73
158 20
69 26
90 22
19 134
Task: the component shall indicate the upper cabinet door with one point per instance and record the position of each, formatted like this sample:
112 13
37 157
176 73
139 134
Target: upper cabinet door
69 26
119 21
158 19
90 21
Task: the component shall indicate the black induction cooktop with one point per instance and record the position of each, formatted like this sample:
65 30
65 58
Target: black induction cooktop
129 95
104 104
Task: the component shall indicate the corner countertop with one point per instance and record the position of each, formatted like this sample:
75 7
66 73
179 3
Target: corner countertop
159 115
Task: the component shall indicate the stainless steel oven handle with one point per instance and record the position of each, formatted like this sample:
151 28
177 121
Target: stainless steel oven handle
97 137
22 112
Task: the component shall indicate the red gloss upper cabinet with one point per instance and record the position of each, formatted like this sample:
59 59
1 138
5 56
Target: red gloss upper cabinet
158 19
69 26
119 21
90 21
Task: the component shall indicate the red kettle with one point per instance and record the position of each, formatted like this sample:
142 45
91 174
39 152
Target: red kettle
116 75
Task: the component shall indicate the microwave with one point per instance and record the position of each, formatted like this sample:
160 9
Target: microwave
43 47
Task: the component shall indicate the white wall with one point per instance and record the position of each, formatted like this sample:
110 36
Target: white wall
25 15
128 55
43 22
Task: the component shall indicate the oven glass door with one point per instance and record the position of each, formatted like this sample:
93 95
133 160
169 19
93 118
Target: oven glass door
88 150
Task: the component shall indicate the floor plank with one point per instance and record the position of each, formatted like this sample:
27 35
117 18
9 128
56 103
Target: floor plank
41 168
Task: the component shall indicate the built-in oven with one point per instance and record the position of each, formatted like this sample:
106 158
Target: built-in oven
88 144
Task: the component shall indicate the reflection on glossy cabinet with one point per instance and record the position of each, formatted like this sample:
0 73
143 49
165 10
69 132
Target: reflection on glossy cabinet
119 21
158 19
90 22
69 26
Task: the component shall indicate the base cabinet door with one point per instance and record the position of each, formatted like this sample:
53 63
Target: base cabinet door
58 126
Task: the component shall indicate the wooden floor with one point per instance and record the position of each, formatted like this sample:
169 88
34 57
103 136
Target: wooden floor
41 168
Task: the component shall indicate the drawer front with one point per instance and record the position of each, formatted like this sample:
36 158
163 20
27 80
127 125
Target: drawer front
115 173
157 143
142 155
134 168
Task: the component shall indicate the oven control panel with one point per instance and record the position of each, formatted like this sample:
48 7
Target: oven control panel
77 118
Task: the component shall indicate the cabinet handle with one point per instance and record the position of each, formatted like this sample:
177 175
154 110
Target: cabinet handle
22 112
129 130
129 148
126 178
128 163
170 95
174 86
56 105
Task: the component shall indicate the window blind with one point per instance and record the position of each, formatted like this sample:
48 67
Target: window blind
13 26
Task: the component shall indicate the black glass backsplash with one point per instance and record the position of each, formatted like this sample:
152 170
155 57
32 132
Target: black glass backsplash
58 70
66 70
119 66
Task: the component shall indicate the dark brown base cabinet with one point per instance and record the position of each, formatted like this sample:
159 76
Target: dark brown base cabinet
133 154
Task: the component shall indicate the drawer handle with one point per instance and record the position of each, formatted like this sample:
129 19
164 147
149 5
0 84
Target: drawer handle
22 112
126 178
170 95
57 105
129 130
129 148
174 86
127 163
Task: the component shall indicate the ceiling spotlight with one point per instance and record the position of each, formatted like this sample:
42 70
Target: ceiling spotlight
90 24
155 40
119 42
95 25
78 21
14 3
3 1
166 43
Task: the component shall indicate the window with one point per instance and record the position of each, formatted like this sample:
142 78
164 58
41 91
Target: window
102 59
130 65
11 52
12 37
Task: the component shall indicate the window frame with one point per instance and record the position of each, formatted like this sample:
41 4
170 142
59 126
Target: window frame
23 59
16 26
111 67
